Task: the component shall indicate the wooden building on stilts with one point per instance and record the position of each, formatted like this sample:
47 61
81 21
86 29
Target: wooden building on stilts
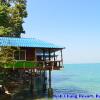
32 59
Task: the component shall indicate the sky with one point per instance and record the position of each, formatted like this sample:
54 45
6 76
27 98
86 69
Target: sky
74 24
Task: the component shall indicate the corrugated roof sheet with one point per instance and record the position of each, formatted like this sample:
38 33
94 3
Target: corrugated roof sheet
26 42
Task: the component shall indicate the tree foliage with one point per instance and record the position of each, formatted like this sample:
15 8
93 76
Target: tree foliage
6 55
12 14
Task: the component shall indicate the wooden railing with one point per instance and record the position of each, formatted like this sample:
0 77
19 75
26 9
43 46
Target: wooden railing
36 64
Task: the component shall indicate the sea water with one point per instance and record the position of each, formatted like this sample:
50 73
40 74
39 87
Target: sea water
76 82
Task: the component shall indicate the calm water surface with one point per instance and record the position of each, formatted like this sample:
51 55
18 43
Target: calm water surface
76 79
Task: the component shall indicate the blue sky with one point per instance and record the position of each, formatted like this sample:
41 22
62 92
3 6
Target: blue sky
74 24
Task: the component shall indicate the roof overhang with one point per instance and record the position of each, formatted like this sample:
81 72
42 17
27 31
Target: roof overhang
28 42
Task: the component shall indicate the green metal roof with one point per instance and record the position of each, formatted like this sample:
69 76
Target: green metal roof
26 42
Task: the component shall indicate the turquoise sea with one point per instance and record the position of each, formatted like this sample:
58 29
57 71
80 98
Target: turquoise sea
76 79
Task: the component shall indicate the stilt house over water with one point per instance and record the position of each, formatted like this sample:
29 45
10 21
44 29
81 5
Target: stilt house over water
34 56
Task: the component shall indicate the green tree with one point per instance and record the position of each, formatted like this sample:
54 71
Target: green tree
6 55
12 14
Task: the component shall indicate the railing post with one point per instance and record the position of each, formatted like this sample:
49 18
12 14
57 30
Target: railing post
49 58
43 55
54 58
59 63
62 58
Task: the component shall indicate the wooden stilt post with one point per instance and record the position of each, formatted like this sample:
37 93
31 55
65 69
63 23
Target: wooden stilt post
44 75
31 84
50 90
49 78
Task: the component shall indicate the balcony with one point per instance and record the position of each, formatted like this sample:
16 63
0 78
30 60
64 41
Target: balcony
39 65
